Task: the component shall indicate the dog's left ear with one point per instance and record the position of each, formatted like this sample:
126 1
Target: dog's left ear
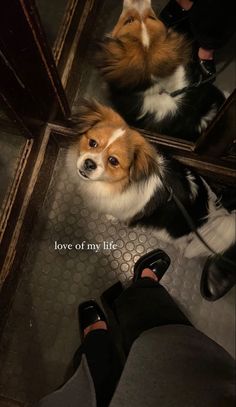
90 113
120 62
144 160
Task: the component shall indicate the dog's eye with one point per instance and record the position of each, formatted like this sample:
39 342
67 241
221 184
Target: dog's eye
129 20
152 17
113 161
92 143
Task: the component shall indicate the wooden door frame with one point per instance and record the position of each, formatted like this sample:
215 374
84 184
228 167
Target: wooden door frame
15 81
19 206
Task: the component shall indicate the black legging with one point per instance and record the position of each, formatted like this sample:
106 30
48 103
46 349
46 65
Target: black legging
104 363
144 305
212 22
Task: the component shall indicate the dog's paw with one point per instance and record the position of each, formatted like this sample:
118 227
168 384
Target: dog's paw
188 253
111 218
195 249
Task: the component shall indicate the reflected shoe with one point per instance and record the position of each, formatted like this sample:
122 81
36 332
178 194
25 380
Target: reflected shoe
89 313
207 68
172 14
156 260
218 276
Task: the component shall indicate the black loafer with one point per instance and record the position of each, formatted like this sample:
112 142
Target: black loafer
218 276
89 313
172 14
207 68
156 260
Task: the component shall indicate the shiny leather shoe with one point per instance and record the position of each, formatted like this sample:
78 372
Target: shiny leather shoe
218 276
172 14
207 68
156 260
89 313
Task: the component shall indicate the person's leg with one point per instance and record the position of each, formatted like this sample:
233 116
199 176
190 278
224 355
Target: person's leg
176 365
212 23
144 305
100 351
97 365
185 4
219 275
175 12
103 362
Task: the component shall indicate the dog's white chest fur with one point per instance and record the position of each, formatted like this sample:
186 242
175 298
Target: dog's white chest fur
123 206
159 103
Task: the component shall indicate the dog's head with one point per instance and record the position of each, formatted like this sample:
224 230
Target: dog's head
140 48
108 150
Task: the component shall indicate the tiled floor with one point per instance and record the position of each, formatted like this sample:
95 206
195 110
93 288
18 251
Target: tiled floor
42 330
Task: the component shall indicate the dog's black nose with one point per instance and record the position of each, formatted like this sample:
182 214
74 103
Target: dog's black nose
89 165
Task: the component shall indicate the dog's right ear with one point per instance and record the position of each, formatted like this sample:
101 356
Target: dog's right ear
90 113
145 159
87 115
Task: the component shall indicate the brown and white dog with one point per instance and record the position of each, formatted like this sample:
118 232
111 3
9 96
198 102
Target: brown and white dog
121 174
146 66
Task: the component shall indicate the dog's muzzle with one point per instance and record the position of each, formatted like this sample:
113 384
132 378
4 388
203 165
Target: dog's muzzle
89 165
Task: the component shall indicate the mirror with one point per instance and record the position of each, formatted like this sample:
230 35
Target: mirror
91 83
12 145
52 14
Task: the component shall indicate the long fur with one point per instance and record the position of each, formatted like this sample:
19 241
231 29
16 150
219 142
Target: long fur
143 198
141 75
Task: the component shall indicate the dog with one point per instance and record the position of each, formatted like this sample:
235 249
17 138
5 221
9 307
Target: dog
121 174
150 75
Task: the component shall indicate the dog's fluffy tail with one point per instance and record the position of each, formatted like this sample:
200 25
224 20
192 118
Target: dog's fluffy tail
219 233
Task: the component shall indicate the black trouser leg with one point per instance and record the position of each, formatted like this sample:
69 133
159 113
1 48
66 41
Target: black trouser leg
104 364
104 367
145 305
212 22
